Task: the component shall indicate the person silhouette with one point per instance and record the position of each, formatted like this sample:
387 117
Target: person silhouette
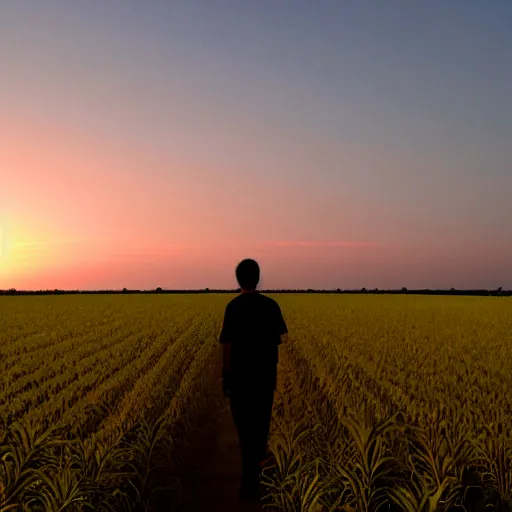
251 334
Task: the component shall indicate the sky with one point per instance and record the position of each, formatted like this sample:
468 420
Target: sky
341 144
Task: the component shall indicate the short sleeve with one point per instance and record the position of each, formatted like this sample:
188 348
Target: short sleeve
226 334
281 327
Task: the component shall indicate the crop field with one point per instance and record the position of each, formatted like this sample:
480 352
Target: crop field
398 403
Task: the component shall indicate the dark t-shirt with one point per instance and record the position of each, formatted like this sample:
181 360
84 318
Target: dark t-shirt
253 324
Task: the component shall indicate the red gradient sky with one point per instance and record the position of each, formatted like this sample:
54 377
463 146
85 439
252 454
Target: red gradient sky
134 155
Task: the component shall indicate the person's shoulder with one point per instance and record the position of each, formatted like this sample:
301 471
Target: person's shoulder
229 305
234 302
269 301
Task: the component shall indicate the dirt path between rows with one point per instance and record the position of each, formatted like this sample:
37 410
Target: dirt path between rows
211 475
212 467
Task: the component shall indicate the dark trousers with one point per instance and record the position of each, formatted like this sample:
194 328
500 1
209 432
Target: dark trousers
251 407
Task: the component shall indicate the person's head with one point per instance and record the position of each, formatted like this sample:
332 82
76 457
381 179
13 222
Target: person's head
248 274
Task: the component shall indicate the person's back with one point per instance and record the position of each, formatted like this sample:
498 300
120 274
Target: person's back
255 325
251 333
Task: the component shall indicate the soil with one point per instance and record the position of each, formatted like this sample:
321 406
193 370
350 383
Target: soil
211 477
211 474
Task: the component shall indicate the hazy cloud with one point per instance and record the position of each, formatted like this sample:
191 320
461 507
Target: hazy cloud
319 243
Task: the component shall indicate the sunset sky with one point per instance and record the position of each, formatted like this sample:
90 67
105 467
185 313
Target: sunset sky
340 143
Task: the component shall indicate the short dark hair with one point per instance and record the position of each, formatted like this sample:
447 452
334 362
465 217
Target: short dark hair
248 274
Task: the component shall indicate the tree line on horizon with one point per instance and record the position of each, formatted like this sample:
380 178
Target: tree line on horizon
499 292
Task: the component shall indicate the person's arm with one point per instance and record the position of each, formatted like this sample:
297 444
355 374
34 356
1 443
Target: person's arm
226 340
226 358
282 329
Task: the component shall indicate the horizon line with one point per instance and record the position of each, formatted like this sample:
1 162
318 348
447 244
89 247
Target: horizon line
160 289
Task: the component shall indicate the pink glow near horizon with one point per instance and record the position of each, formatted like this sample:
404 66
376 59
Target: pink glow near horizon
96 221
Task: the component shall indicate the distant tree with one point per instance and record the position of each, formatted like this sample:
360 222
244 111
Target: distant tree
12 291
363 290
310 290
207 290
158 290
404 290
338 290
124 290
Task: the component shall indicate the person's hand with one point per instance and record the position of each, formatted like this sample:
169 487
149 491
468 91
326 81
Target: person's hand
227 381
